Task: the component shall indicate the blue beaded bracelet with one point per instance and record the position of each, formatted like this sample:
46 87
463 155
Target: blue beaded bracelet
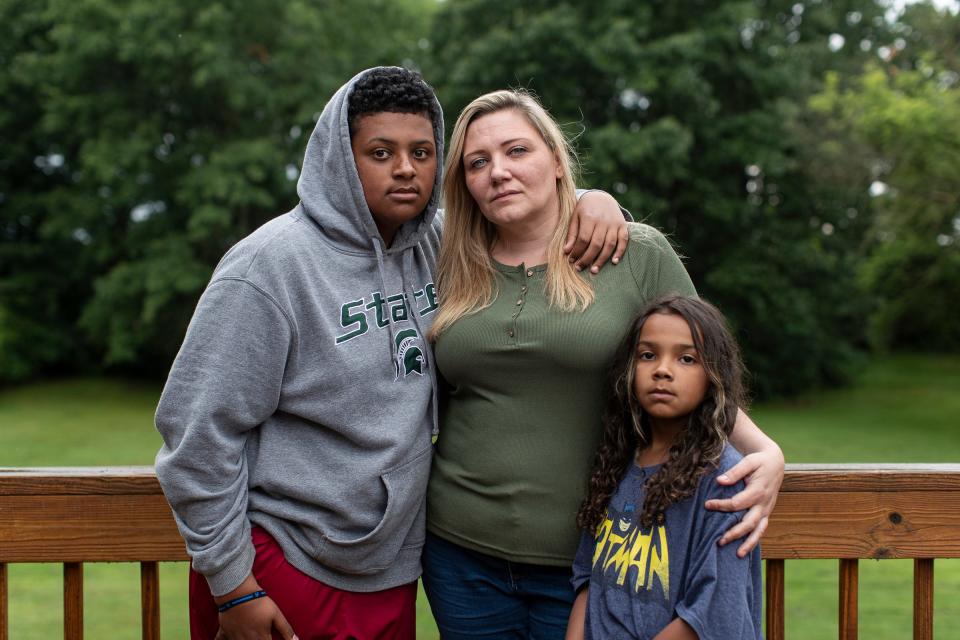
230 604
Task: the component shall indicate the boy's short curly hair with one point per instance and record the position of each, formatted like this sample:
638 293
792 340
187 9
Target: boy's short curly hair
391 89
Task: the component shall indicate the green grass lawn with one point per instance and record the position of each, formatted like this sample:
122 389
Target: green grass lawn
902 409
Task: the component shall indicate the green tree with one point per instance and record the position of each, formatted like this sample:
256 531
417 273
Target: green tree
37 284
689 113
904 114
141 139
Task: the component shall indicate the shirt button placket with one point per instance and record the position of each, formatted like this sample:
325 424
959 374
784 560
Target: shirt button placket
512 331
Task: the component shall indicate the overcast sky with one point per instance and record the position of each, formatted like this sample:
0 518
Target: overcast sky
953 5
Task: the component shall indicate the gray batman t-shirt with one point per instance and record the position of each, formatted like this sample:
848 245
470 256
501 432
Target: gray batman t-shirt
642 578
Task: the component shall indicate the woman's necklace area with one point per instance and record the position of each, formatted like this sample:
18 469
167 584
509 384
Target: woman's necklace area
529 255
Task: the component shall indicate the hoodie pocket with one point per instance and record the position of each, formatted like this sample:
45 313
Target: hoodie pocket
373 552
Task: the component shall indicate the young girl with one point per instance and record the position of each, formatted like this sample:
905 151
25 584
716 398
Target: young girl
648 565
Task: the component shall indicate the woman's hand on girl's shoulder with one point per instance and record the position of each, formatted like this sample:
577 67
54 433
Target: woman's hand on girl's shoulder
762 472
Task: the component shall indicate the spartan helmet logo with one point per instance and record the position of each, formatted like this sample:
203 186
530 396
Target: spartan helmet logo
409 356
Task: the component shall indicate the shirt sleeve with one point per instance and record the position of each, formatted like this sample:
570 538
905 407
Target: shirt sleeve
656 267
623 210
224 382
720 589
583 562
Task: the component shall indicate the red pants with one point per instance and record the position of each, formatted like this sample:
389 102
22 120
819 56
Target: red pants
313 609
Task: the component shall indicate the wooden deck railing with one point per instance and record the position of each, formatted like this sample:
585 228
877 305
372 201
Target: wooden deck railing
843 512
78 515
876 511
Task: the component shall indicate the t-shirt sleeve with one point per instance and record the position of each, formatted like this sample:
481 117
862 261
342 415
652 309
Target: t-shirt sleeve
720 589
583 562
656 267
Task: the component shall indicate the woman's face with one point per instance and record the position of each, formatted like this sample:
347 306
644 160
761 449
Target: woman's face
510 171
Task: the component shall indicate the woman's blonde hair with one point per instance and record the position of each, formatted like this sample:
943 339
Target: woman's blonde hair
465 274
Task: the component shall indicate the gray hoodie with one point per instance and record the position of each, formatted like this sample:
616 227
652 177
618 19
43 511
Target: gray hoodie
303 399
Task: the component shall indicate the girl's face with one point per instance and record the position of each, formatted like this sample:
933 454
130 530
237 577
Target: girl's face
669 380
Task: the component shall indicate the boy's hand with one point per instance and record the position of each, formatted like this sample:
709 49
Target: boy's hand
253 620
763 473
597 231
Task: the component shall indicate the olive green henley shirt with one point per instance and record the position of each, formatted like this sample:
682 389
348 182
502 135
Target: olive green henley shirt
522 420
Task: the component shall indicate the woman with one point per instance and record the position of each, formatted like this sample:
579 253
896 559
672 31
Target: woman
524 341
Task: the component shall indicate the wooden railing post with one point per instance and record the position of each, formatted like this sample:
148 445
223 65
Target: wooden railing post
73 601
4 633
774 598
149 601
923 599
849 597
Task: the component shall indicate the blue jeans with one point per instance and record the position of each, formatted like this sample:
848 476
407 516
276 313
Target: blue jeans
474 595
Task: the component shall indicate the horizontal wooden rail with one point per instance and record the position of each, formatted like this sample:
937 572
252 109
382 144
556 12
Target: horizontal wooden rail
866 511
116 514
844 512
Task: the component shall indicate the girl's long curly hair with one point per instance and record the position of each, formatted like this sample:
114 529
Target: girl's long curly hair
626 429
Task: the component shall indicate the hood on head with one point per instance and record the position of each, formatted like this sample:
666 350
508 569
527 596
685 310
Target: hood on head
329 186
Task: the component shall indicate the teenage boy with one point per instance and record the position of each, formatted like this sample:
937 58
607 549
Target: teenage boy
297 418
